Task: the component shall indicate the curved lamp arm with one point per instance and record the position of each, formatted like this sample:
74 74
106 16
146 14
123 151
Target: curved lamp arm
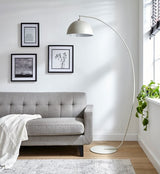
131 60
78 26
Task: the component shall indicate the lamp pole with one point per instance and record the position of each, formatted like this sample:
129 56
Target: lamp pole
103 149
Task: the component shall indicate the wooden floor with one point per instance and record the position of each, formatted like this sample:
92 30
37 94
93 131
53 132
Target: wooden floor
129 150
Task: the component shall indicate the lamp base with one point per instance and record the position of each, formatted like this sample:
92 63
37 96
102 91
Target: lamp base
102 149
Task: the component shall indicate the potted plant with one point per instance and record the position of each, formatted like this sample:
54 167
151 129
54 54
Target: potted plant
152 91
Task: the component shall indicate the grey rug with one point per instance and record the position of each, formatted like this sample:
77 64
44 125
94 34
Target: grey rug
72 166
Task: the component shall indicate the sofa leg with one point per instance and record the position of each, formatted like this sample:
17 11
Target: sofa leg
81 151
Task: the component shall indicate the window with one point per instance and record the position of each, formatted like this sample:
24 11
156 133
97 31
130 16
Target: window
156 58
155 27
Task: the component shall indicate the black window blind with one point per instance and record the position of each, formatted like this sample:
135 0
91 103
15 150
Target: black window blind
155 26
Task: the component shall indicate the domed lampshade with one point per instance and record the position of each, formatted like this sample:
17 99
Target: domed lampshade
80 28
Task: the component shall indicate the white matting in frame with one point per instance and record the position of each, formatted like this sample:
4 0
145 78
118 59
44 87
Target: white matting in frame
29 34
60 58
23 67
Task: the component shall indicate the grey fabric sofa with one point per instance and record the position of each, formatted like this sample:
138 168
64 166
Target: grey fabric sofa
66 118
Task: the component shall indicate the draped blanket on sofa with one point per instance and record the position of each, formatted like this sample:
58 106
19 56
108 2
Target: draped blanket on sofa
12 133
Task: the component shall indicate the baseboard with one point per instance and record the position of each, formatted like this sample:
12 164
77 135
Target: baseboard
149 154
115 137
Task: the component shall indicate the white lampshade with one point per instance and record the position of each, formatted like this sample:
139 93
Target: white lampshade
80 28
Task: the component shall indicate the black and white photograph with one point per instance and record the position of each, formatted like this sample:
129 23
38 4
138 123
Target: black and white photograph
23 67
29 34
60 58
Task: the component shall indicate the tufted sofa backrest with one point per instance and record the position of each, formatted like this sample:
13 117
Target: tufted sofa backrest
48 104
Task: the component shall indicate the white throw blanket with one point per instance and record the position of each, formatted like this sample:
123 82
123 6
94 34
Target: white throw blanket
12 133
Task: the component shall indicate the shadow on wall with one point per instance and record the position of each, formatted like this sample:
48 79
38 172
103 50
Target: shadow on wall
93 77
107 120
4 75
22 7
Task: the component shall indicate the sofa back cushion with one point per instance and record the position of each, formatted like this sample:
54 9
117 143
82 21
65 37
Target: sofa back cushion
48 104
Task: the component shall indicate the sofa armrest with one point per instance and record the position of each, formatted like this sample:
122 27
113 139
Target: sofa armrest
88 114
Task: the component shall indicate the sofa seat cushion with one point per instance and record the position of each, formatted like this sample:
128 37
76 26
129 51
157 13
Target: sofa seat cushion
55 126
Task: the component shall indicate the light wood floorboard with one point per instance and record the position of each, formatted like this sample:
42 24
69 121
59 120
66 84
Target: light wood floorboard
130 150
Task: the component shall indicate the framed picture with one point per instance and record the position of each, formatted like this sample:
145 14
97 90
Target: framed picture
60 58
23 67
29 34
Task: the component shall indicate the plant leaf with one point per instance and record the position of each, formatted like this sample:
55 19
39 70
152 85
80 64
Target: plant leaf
145 129
137 115
144 104
139 109
145 121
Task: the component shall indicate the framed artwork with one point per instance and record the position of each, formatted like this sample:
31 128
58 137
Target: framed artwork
29 34
60 58
23 67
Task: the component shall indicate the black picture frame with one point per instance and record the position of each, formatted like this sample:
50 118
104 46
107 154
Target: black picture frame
30 35
60 58
24 67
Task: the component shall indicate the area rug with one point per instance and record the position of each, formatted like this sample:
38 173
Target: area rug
72 166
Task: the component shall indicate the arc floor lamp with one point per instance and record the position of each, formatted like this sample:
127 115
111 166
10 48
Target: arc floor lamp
83 29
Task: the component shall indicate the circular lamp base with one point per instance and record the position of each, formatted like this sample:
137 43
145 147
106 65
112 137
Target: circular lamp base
101 149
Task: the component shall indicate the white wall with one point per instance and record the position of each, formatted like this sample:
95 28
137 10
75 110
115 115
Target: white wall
102 68
149 140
